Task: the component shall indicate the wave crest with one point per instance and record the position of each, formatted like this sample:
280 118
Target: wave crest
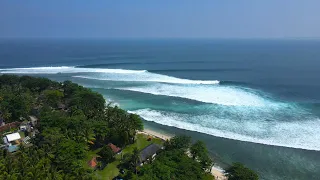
223 95
301 135
107 74
66 69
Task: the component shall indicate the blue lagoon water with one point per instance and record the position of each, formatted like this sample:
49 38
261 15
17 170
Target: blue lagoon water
253 101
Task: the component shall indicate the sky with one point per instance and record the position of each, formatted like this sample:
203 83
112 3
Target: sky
160 19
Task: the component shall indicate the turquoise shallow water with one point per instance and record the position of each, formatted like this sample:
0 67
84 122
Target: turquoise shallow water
251 101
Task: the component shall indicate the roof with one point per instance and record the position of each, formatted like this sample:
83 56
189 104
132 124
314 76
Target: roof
13 148
149 151
93 162
13 137
114 148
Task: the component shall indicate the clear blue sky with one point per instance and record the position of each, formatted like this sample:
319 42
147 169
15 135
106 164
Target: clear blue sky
160 19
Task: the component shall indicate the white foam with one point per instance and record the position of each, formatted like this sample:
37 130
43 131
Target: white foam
107 74
239 113
224 95
66 69
151 77
302 135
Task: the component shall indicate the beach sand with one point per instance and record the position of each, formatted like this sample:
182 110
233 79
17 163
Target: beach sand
217 172
156 134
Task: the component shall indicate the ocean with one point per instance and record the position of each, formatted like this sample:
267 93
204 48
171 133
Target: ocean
251 101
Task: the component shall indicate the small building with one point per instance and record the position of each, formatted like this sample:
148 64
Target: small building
9 138
149 152
13 137
93 162
114 148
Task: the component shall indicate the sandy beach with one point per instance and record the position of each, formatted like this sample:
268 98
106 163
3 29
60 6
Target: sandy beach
217 172
156 134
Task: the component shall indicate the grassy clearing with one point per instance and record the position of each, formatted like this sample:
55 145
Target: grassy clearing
141 142
111 170
22 134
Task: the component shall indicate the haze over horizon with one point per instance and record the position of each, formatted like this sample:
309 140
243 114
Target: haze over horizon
165 19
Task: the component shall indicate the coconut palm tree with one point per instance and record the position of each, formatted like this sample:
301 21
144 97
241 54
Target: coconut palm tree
135 159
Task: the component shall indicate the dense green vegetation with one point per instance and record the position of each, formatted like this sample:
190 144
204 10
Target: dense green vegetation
75 125
106 154
70 117
175 162
239 172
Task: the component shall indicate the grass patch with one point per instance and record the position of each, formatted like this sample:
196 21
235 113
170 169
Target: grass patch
22 134
141 142
109 172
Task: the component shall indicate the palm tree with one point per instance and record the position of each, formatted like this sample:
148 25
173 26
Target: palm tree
135 159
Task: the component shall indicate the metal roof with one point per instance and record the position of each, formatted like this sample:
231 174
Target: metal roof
13 137
149 151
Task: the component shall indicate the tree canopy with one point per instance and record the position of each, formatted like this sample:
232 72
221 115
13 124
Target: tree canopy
64 134
239 172
83 121
106 154
175 163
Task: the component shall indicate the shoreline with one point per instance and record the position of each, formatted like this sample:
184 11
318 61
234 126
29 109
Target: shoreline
216 171
156 134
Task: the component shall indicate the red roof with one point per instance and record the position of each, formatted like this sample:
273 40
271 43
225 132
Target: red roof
93 162
114 148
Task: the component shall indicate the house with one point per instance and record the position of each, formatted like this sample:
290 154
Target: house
13 137
93 162
114 148
9 138
149 152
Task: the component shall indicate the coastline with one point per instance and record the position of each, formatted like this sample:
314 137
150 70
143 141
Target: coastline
216 171
157 134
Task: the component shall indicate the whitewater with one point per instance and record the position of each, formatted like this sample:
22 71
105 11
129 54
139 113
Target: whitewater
228 111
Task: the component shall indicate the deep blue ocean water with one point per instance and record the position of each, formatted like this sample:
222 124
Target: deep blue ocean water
253 101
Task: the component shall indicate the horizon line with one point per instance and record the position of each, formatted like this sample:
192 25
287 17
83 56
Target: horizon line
167 38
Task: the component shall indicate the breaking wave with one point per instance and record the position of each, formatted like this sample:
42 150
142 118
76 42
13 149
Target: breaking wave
293 134
108 74
223 95
65 69
229 110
